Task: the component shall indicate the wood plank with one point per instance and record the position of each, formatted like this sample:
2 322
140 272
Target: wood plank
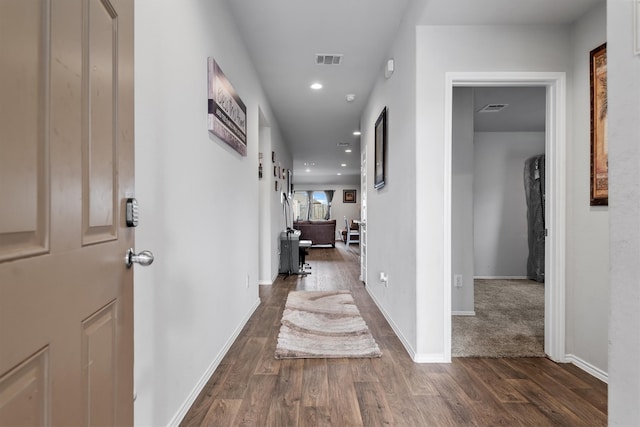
344 405
501 389
547 404
315 386
373 405
254 410
285 402
564 395
240 374
222 413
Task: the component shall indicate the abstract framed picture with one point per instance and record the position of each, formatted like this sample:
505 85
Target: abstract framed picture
599 152
227 114
380 147
348 196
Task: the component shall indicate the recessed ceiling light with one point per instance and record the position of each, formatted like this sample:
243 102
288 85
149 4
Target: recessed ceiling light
339 173
357 133
316 86
309 163
308 170
348 150
344 165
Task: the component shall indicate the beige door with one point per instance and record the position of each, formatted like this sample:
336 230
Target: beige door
66 166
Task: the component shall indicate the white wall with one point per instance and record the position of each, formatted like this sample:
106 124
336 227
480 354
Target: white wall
624 207
442 49
339 210
462 214
587 226
499 202
391 210
198 204
272 219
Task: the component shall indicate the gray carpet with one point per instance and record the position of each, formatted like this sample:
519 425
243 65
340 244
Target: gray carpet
509 321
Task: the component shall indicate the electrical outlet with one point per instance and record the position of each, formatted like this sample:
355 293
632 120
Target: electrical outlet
457 280
384 278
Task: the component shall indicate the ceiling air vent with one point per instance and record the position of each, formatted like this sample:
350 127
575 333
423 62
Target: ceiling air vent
328 59
493 108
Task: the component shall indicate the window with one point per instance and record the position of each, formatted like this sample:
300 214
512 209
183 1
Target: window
315 210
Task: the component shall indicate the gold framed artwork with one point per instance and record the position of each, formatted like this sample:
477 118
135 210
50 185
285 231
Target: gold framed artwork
599 152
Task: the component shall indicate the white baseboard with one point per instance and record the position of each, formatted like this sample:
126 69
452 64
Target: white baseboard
177 418
416 357
463 313
587 367
265 282
500 277
430 358
405 343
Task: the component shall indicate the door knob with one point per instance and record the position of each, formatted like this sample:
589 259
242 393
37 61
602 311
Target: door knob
144 258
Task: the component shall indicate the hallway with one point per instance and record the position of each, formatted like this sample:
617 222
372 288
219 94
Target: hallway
250 387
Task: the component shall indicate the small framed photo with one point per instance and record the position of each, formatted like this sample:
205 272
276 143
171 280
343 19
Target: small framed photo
277 185
275 171
348 196
273 157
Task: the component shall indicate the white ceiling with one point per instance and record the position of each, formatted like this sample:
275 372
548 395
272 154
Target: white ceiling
283 37
525 110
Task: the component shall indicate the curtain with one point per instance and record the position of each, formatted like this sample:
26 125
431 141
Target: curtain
329 194
309 202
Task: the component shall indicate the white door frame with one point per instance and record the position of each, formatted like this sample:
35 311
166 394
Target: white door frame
555 149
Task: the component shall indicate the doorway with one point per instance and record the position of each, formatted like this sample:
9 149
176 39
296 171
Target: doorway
497 311
555 148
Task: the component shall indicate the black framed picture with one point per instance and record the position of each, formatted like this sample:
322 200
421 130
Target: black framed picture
348 196
380 150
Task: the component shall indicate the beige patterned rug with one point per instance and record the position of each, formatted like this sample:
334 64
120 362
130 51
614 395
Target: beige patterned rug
320 324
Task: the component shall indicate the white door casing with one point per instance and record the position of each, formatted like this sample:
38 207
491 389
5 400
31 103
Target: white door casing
555 148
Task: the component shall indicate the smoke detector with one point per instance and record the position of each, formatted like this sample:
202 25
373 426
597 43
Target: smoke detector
350 97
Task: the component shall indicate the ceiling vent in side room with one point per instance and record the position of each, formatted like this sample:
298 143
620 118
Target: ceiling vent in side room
493 108
328 59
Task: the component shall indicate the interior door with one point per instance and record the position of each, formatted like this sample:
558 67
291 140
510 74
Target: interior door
66 166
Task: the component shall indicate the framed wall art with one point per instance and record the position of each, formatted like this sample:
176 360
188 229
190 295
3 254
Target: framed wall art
599 157
348 196
380 148
227 114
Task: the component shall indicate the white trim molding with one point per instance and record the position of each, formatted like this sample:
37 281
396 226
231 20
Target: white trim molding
587 367
555 148
463 313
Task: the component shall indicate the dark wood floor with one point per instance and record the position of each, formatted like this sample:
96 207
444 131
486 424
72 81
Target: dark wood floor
251 388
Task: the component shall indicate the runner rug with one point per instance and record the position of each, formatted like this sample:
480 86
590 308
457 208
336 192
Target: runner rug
319 324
